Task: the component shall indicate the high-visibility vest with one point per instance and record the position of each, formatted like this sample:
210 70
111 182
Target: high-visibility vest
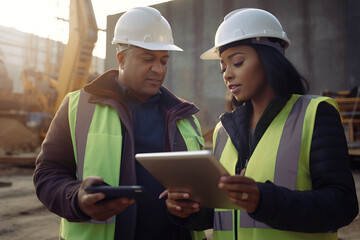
281 156
95 124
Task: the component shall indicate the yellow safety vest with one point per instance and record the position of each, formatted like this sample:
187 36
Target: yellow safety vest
104 127
286 144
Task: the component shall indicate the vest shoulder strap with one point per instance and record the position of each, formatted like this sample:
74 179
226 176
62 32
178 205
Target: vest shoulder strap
84 114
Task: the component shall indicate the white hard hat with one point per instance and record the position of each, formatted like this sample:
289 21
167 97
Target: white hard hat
144 27
246 23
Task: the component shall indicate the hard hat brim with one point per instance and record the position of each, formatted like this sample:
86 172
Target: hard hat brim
211 54
154 46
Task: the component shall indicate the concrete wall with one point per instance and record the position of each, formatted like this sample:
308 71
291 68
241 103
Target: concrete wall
324 48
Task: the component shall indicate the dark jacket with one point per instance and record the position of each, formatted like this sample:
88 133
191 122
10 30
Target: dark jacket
331 204
55 174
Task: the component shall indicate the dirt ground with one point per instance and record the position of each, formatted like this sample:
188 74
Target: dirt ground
15 138
22 216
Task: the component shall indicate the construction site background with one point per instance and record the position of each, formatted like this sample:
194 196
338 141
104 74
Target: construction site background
324 47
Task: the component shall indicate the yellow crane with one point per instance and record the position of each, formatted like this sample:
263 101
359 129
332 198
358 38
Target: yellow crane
77 57
44 91
47 92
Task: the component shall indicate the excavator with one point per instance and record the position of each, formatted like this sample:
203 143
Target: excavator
44 91
76 60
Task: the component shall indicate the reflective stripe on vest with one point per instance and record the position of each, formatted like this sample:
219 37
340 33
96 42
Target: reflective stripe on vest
290 147
223 220
219 143
82 118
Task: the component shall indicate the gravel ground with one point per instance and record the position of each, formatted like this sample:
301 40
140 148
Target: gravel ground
22 216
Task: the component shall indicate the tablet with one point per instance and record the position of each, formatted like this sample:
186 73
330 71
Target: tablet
136 192
196 172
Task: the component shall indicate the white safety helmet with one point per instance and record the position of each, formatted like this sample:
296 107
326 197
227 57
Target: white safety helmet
144 27
247 23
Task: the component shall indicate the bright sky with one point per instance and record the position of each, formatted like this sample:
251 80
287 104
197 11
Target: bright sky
40 17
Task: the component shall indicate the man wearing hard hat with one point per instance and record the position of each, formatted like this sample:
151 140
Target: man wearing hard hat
98 130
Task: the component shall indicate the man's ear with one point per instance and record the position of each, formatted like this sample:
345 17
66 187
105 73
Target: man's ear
121 56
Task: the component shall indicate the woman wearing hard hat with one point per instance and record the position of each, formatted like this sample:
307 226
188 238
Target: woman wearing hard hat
285 151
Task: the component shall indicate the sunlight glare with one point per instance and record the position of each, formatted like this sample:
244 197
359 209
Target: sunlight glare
41 17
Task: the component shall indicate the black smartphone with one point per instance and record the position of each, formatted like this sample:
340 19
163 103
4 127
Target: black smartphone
136 192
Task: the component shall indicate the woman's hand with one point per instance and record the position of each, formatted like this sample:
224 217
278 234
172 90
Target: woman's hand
180 203
242 191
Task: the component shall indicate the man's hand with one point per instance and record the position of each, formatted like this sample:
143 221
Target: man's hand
100 211
180 204
242 191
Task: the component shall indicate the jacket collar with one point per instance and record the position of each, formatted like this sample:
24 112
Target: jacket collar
237 122
105 86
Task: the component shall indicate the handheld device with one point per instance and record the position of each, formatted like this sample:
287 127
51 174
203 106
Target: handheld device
135 191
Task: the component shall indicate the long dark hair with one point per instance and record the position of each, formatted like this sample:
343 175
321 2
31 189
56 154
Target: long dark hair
280 73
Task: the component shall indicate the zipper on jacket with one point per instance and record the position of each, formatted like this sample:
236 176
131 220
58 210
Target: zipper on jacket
238 166
235 224
237 171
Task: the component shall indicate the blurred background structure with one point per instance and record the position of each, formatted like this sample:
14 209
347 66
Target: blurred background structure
324 47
